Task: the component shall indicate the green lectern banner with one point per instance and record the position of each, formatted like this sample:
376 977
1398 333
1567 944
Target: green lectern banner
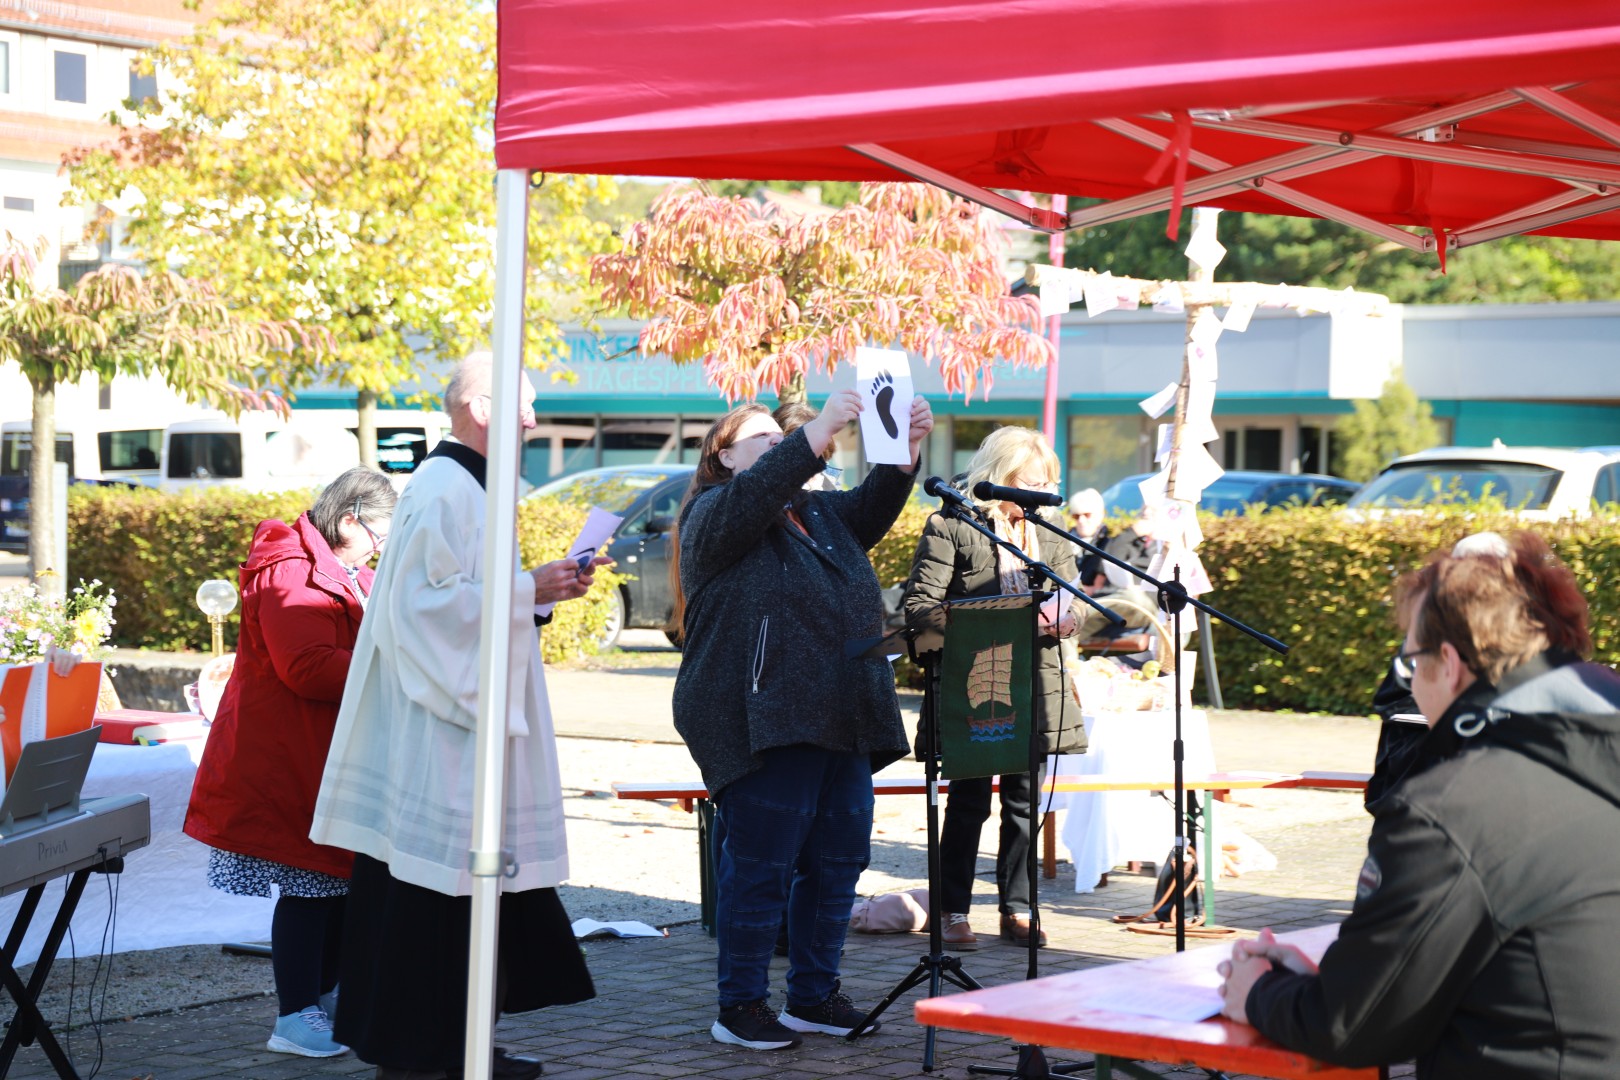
984 712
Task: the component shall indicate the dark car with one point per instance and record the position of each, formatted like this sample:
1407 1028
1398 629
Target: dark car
1236 490
647 497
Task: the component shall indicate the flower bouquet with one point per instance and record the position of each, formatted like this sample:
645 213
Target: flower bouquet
30 624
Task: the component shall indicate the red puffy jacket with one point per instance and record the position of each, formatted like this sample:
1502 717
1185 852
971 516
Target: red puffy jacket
256 786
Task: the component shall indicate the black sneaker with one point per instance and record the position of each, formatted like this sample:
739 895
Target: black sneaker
752 1024
835 1016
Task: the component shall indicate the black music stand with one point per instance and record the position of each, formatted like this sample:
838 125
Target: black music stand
1173 598
922 637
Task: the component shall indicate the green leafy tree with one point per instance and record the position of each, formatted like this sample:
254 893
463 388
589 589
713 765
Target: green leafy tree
115 321
1307 251
1382 429
329 161
760 299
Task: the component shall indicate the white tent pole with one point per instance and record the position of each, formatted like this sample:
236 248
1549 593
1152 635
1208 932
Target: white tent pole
487 861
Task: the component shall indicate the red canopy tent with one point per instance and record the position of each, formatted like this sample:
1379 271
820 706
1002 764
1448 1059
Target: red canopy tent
1475 118
1467 119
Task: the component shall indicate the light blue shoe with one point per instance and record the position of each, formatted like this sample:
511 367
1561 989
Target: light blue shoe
308 1033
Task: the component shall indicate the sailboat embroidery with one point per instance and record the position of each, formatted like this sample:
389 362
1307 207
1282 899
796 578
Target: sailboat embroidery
990 680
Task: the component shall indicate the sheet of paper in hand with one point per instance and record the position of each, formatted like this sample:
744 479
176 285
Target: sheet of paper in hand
593 537
883 378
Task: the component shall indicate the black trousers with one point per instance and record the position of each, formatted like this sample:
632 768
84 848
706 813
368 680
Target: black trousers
967 808
403 1001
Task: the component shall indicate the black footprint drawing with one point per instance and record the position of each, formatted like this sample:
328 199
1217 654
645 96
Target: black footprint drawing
883 388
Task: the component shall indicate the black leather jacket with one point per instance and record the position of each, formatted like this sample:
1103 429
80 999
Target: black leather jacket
1483 938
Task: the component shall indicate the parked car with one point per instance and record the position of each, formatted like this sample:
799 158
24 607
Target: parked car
648 498
1239 489
1540 483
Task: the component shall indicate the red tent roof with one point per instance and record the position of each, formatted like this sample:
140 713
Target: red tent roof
1475 117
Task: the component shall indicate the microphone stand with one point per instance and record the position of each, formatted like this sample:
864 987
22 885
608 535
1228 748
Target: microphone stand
1032 1064
1173 597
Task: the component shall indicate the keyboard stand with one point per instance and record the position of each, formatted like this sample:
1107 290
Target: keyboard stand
28 1023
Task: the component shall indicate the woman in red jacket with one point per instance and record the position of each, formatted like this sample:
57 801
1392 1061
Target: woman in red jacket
304 590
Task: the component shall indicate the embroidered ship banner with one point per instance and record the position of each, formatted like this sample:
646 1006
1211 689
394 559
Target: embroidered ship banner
984 709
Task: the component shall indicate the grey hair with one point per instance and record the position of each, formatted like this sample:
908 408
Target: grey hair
362 491
1088 497
470 379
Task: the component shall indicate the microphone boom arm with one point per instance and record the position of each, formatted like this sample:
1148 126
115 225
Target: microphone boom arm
1172 594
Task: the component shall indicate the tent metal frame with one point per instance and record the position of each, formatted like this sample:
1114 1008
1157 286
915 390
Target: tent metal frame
1437 136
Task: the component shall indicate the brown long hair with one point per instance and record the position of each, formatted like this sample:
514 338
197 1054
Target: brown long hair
721 434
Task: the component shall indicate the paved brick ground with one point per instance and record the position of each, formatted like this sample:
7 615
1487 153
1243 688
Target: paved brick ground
655 998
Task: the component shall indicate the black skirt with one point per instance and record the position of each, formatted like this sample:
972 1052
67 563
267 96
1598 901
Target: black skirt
402 998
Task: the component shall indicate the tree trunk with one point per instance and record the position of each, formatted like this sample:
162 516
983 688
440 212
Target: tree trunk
41 493
366 404
792 391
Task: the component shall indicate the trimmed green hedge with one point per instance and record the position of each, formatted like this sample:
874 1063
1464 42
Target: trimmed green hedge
1314 578
1324 584
154 548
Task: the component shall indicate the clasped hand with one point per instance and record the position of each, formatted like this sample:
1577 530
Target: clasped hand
565 579
844 406
1250 960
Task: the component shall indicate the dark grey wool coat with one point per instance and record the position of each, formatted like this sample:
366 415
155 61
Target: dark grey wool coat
954 562
769 611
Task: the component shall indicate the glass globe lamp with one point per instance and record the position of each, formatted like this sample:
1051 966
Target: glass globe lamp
217 599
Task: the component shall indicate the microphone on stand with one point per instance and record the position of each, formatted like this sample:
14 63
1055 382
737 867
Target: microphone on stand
985 491
943 491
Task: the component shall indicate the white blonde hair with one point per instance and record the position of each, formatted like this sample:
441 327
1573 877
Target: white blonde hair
1008 451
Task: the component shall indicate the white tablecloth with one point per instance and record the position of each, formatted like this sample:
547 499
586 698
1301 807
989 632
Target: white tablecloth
1102 830
163 894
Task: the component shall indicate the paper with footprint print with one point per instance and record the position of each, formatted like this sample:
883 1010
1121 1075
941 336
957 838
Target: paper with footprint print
883 379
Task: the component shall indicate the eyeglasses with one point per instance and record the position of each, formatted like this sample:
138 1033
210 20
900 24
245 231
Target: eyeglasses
525 411
377 541
1405 662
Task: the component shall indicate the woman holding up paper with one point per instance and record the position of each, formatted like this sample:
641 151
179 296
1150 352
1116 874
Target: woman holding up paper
772 582
954 561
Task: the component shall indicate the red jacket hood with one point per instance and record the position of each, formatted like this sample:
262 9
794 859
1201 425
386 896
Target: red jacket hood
275 541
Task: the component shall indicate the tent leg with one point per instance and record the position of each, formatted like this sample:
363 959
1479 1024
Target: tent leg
488 862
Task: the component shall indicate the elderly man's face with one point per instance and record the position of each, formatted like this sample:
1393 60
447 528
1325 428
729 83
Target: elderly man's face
1087 520
1438 676
485 401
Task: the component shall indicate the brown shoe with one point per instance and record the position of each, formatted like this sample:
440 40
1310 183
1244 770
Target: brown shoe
958 933
1016 928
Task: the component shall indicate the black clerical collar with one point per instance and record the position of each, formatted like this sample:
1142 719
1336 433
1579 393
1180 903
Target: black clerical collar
462 455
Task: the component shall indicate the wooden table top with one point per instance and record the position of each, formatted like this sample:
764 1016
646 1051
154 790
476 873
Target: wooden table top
1218 781
1071 1011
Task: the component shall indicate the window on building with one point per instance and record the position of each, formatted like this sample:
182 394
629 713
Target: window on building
72 77
142 85
1253 448
966 435
5 67
13 202
1102 449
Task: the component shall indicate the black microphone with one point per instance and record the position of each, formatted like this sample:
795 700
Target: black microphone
985 491
939 489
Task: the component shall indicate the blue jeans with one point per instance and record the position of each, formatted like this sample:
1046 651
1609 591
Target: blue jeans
793 835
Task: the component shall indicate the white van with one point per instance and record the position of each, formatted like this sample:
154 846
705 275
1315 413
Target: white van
108 452
262 452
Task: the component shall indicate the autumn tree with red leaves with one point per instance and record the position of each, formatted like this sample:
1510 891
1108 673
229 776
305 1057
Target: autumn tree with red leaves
759 299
